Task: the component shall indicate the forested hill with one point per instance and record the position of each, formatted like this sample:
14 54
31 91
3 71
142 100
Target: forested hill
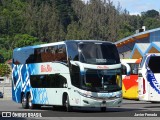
28 22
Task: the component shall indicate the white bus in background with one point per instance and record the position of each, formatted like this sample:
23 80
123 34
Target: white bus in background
149 78
82 73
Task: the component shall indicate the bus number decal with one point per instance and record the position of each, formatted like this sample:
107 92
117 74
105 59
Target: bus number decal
46 68
102 67
76 101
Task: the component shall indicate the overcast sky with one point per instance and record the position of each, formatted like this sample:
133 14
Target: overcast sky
138 6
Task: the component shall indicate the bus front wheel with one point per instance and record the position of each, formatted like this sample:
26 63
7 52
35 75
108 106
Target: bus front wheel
103 109
67 105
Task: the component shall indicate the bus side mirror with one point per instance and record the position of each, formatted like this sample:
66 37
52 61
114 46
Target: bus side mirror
128 73
128 69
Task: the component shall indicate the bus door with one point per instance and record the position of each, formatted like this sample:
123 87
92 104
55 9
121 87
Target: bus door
61 85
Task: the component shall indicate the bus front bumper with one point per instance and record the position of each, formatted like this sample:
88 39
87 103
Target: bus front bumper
89 102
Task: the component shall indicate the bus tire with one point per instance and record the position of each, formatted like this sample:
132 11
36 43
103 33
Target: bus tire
24 102
103 109
30 104
67 105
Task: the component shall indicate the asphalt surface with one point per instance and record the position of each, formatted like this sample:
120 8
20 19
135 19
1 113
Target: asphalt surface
130 109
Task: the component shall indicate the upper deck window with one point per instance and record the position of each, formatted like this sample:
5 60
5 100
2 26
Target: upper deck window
98 53
41 54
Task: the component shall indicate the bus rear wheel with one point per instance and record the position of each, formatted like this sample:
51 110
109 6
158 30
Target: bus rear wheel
31 105
24 102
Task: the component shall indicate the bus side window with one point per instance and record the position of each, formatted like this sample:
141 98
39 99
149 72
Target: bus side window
48 81
63 81
60 54
75 76
135 69
37 55
46 54
72 49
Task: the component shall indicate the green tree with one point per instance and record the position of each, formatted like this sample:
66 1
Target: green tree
150 13
135 21
65 12
1 59
126 30
22 40
7 54
11 20
4 70
151 23
75 32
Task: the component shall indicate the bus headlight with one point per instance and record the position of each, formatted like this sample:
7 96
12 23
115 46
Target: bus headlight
119 95
84 94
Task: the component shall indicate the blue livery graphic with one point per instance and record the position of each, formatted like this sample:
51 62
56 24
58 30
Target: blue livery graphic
151 77
152 81
21 82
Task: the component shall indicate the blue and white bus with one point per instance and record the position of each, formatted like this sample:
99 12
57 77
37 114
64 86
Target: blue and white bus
149 78
82 73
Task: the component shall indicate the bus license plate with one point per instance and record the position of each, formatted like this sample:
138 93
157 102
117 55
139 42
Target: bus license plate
103 105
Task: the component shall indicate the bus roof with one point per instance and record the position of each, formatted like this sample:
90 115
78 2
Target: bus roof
131 60
158 54
38 46
88 41
58 43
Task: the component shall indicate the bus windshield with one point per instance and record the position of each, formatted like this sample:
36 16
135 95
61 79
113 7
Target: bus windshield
154 64
98 53
102 80
133 67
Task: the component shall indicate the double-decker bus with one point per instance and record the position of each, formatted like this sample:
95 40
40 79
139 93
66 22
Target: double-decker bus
130 79
149 78
82 73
